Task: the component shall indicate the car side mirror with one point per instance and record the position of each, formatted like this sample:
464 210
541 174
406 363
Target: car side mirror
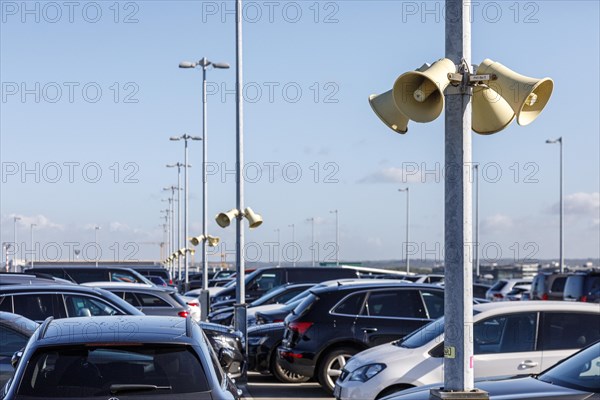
14 360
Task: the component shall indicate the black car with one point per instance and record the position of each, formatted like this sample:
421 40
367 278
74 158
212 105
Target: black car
279 295
38 302
335 322
265 279
220 337
263 341
128 357
15 331
155 270
13 278
574 378
82 274
583 286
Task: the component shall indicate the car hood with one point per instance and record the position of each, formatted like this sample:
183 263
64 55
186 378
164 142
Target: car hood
507 389
213 291
385 353
263 308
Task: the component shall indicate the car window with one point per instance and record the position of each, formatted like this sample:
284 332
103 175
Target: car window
85 306
267 281
559 284
6 303
351 305
38 306
434 301
150 300
569 330
282 298
498 285
385 303
86 371
122 276
85 275
11 340
506 334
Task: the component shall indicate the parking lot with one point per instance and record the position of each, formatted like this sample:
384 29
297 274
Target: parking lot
266 387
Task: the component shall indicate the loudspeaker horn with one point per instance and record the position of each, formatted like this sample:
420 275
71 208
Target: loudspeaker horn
384 107
197 240
526 96
224 219
420 95
255 220
491 113
212 241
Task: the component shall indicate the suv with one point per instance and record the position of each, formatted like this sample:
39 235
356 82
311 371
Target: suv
128 357
583 287
82 274
548 286
516 338
335 322
265 279
38 302
500 289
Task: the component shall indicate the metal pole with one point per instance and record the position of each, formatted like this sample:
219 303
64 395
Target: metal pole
16 247
32 248
204 179
185 217
562 211
337 238
278 246
178 220
312 244
407 229
458 304
96 229
294 244
476 244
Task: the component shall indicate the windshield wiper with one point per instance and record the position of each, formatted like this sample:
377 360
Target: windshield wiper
123 387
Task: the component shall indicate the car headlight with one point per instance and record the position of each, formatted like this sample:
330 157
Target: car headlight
366 372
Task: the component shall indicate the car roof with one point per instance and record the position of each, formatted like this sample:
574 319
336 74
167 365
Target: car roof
101 329
18 322
9 289
130 285
534 305
370 283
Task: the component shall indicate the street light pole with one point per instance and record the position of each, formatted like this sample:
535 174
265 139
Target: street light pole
278 246
32 248
185 138
96 229
561 205
312 244
16 247
178 165
476 244
204 64
293 243
407 226
337 237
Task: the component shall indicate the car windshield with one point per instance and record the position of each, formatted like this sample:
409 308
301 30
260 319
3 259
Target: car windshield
422 336
579 372
268 296
103 371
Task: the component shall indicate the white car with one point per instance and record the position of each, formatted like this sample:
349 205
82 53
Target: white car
511 338
502 287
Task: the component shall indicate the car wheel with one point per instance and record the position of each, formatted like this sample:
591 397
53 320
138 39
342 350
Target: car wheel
284 375
331 366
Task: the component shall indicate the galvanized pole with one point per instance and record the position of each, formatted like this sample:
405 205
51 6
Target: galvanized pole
179 220
293 243
32 246
476 244
16 247
185 215
204 64
562 210
278 246
458 307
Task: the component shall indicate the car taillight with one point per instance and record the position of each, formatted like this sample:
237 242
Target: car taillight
583 298
300 327
170 281
498 296
277 320
545 296
193 304
183 314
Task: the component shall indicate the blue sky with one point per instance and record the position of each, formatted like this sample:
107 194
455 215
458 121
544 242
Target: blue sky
95 89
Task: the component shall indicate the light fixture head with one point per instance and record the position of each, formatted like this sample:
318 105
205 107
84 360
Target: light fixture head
187 64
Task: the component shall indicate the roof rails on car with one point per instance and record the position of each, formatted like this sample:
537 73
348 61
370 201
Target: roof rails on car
44 327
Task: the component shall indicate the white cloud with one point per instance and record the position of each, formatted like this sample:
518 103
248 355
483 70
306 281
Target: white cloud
25 221
582 204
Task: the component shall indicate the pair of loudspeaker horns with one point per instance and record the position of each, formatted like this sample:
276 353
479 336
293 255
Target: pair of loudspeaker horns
254 220
419 96
211 240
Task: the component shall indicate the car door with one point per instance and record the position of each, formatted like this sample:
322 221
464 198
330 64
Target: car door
152 304
563 333
389 314
505 344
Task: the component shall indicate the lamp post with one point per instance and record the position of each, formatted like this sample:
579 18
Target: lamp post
96 229
337 237
16 247
476 244
178 165
407 226
278 246
172 205
293 243
32 248
168 228
312 240
561 205
204 64
185 138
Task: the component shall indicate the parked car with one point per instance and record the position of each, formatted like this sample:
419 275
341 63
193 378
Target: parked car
499 289
263 341
82 274
38 302
516 294
548 286
13 278
277 295
220 337
480 290
157 280
510 338
575 378
334 323
15 331
151 300
265 279
583 287
154 270
158 357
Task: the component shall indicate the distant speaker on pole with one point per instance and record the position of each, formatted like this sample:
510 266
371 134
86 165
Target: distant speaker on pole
224 219
526 96
384 107
419 95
